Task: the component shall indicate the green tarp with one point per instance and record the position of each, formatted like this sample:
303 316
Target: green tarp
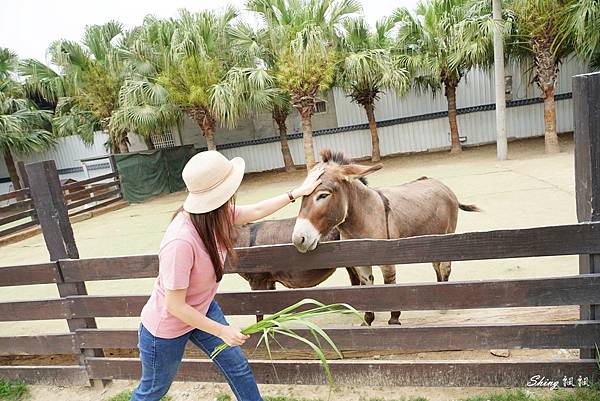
149 173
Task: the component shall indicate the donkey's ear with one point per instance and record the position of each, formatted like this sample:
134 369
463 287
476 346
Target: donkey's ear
350 171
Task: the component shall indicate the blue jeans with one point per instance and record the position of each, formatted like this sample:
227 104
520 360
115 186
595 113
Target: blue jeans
161 357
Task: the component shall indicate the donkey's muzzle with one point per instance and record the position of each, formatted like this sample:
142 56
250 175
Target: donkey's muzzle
305 236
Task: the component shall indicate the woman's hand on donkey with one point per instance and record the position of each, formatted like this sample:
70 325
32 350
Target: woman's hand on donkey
312 180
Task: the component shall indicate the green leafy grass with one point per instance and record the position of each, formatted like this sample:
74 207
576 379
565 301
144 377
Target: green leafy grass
126 395
281 323
13 390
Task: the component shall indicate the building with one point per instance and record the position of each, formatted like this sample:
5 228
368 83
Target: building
415 122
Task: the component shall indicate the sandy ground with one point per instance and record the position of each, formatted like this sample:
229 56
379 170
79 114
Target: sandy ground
531 189
209 392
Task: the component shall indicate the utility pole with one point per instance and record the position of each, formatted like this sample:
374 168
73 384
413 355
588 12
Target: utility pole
501 141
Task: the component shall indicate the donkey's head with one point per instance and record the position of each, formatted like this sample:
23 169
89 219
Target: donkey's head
327 206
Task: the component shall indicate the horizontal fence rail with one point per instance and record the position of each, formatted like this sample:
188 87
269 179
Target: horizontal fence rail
372 373
20 209
571 239
498 244
431 338
85 195
15 194
75 185
51 344
47 309
19 205
57 375
43 273
559 291
387 338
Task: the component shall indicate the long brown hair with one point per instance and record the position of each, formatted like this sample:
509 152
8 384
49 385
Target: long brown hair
216 229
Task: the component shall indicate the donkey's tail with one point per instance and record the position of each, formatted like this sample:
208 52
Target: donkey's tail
469 208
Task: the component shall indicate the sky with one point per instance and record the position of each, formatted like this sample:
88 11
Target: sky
28 26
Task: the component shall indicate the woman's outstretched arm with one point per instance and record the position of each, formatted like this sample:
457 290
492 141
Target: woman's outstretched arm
256 211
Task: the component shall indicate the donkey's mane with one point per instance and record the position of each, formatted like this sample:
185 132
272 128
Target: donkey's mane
329 156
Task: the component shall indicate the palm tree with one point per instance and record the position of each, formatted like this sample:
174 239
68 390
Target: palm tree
369 67
145 107
440 45
581 22
181 62
306 53
539 40
23 127
248 90
41 81
546 32
94 74
254 89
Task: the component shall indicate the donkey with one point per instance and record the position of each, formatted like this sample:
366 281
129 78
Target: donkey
421 207
270 232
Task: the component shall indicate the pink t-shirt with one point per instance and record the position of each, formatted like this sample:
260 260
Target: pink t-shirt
183 263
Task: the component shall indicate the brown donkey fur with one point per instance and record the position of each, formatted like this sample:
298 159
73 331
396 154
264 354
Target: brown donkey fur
271 232
421 207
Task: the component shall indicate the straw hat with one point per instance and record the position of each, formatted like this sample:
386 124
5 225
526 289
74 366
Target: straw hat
211 180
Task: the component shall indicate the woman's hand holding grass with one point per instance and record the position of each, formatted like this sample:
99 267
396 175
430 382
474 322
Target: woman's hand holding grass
232 336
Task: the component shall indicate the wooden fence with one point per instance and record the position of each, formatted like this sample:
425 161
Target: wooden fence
79 197
546 241
88 343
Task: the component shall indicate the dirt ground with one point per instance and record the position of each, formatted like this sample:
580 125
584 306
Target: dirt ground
530 189
209 392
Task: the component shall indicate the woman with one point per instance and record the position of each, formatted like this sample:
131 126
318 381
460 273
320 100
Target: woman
182 306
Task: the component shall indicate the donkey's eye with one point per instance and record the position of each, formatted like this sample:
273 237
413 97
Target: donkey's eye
323 196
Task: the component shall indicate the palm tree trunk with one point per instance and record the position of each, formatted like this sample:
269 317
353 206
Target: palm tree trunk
550 135
546 71
114 144
12 169
209 134
123 146
279 117
206 123
450 89
149 143
375 151
309 153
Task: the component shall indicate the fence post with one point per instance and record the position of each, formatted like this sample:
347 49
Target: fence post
113 168
586 115
25 184
49 202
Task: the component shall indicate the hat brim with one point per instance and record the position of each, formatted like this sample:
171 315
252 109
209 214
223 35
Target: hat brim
215 198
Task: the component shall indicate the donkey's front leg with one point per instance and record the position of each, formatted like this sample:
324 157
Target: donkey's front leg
442 270
262 285
389 277
365 275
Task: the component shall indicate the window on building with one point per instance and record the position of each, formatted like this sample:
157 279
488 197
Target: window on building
320 107
162 141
